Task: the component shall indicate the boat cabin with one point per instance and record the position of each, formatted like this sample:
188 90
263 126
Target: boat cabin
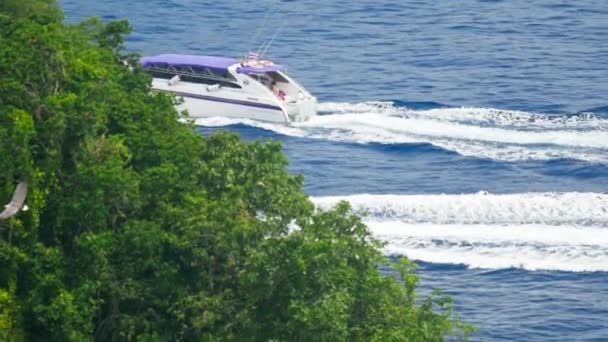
250 88
224 72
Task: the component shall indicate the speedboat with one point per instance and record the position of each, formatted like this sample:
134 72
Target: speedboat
251 88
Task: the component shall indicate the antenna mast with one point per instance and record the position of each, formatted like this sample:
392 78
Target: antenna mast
272 39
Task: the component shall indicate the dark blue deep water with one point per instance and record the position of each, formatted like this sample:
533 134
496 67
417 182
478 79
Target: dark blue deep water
474 133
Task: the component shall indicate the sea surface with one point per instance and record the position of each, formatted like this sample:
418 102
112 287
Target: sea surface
473 133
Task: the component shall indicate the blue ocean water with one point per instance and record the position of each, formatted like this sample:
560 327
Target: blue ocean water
473 133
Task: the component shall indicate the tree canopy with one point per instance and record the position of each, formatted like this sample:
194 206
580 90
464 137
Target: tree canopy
139 228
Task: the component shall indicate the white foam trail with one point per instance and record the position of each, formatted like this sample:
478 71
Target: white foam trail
532 247
421 128
495 234
217 121
489 116
480 208
474 132
534 231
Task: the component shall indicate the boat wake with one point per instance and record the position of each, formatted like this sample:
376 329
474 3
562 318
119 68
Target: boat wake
533 231
473 132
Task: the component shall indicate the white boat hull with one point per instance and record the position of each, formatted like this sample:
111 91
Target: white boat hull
198 108
201 101
203 107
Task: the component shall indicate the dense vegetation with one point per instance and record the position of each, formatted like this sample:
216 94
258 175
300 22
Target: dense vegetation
141 229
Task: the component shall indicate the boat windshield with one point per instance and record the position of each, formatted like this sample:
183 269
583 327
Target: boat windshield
268 78
280 86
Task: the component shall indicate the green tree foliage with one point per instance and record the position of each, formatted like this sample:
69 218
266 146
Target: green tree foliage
139 228
42 11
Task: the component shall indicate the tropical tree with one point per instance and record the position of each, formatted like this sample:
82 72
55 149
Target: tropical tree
139 228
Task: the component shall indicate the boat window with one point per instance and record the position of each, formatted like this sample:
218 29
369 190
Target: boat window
203 80
262 78
275 76
200 76
157 73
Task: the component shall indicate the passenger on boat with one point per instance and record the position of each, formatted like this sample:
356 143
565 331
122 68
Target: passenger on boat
277 91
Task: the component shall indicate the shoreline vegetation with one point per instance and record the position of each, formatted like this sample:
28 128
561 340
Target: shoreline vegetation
139 228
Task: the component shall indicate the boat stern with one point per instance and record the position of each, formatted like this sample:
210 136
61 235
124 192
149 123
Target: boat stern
302 109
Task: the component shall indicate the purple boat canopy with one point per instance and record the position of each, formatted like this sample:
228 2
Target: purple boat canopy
211 62
189 60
